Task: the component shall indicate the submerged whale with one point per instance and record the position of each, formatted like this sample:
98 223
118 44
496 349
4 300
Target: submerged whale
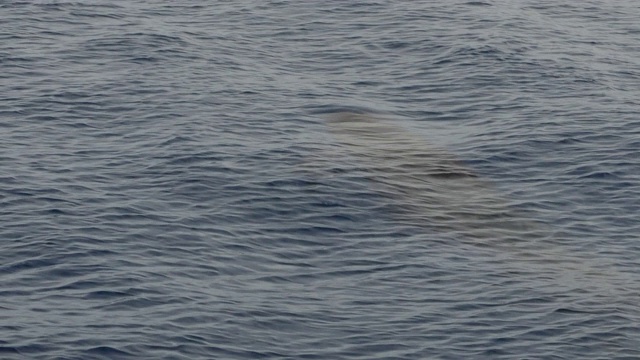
435 188
438 193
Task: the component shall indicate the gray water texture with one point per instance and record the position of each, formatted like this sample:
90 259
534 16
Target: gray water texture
390 179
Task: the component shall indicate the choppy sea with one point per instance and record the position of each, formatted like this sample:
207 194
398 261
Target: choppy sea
174 183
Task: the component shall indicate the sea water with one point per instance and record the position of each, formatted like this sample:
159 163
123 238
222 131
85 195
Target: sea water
172 186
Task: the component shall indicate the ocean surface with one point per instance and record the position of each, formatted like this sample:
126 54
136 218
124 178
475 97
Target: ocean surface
388 179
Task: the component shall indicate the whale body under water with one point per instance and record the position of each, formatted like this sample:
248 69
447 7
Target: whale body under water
436 192
435 188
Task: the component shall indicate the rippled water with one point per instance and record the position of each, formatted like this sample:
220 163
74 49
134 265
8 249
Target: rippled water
175 182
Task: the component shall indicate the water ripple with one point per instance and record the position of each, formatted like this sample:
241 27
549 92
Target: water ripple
174 183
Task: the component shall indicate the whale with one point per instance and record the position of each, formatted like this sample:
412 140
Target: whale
435 188
435 191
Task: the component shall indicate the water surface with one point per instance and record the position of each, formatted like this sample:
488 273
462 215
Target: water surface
171 186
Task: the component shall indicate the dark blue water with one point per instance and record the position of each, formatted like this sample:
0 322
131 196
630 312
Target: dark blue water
171 188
